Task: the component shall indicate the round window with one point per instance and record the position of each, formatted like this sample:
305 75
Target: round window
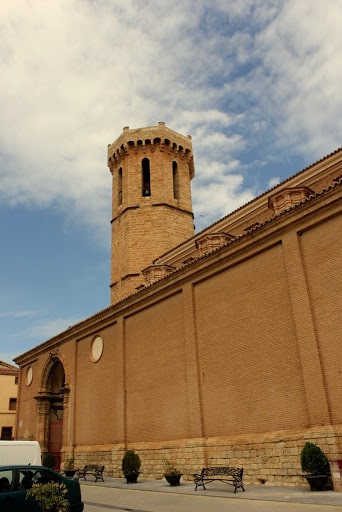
29 375
96 349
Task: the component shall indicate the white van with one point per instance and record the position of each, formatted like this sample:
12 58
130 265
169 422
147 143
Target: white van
20 453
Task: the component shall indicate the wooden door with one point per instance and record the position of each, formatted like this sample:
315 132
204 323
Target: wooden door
55 440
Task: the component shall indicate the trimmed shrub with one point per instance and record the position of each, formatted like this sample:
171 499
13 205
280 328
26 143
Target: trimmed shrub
313 460
130 463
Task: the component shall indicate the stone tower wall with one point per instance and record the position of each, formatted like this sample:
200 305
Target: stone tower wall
144 227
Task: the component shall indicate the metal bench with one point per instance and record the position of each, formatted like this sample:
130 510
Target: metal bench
93 470
227 475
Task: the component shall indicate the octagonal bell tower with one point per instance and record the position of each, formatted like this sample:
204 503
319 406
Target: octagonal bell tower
151 201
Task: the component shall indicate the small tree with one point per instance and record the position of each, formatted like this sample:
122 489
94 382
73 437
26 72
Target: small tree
69 463
313 460
49 460
170 468
131 463
51 497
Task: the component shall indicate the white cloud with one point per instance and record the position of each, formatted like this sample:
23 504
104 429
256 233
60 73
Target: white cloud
19 314
221 194
273 182
45 329
7 357
302 72
256 83
40 328
241 77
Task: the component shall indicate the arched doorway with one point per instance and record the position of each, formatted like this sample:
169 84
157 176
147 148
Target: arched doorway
56 385
52 400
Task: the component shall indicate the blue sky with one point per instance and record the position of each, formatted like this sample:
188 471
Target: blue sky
256 83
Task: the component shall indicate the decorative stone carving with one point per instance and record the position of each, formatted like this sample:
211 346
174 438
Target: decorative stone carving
211 241
54 354
288 197
156 272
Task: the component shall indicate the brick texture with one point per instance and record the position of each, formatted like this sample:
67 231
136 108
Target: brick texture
232 358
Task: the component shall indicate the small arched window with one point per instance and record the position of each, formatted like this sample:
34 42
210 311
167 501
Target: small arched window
120 186
146 181
175 180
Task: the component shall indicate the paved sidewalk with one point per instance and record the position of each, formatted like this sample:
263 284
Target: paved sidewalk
215 489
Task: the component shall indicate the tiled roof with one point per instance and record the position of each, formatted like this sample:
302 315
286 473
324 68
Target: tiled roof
208 228
8 369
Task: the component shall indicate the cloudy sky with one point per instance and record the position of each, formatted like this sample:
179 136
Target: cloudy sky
255 82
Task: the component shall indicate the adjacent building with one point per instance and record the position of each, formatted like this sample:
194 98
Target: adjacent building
218 347
8 399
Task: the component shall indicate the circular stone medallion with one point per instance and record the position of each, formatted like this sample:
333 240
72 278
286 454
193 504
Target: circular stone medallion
96 349
29 376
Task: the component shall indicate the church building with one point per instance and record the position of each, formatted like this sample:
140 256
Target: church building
218 348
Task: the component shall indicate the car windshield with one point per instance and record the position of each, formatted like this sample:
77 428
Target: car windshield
22 479
28 477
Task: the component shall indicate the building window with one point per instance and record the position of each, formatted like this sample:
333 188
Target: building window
175 178
12 404
146 182
6 433
120 186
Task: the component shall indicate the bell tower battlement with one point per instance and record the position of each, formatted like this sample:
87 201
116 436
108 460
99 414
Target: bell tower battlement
151 201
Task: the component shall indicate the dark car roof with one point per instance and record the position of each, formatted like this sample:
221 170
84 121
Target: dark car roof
24 466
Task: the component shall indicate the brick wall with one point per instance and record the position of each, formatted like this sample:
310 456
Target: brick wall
236 357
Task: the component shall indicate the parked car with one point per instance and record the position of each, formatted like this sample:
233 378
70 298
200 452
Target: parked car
16 480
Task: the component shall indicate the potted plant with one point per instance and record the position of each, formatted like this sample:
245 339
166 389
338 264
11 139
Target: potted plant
130 466
49 461
69 469
172 474
315 466
50 497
